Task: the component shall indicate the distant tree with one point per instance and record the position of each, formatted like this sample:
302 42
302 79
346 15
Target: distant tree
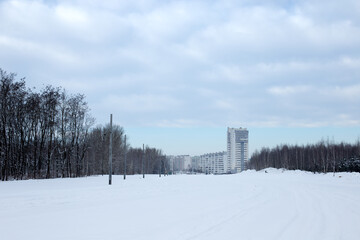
42 134
320 157
98 149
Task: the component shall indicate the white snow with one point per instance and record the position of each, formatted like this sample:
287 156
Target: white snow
250 205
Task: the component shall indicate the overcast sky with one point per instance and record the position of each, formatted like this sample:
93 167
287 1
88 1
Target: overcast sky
182 71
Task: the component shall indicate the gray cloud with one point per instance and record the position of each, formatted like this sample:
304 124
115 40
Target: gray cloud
193 63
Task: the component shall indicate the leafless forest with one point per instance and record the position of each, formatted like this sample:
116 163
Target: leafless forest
50 134
325 156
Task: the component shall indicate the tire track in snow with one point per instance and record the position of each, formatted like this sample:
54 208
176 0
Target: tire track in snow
300 221
242 213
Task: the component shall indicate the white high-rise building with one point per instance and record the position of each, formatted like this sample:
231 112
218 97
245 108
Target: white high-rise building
237 149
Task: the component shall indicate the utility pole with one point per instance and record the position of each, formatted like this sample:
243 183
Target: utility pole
125 160
159 167
173 166
110 151
143 155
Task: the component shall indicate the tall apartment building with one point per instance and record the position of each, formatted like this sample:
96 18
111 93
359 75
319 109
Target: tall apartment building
237 149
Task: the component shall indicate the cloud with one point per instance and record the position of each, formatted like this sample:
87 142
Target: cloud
144 103
203 63
289 90
223 104
345 93
350 62
178 123
72 16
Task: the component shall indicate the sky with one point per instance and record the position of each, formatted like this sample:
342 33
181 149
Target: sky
176 74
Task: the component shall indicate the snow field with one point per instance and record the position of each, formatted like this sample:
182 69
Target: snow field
250 205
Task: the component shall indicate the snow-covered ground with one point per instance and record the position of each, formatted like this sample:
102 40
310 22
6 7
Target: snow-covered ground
250 205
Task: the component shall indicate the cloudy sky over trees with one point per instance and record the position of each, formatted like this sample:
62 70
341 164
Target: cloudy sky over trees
209 64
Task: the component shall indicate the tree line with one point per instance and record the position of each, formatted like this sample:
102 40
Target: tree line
148 160
50 134
324 156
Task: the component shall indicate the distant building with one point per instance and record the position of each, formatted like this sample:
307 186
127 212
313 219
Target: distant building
195 163
181 163
211 163
233 160
237 149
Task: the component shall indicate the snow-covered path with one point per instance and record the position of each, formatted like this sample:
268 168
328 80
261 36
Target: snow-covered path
250 205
